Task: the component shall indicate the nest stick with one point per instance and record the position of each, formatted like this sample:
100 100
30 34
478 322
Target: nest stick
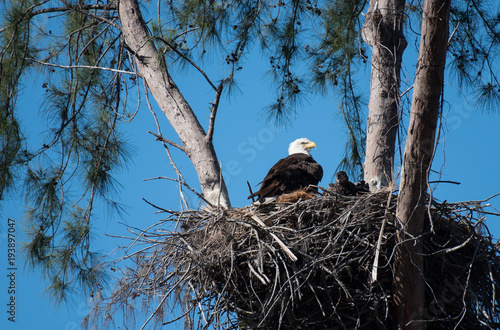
280 243
379 242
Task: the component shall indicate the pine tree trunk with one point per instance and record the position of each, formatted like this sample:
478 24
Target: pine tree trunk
409 286
383 32
153 70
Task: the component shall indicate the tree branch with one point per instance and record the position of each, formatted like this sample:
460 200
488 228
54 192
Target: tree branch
213 113
82 67
66 8
172 143
172 102
80 8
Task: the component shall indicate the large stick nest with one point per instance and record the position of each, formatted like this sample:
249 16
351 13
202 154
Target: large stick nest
321 263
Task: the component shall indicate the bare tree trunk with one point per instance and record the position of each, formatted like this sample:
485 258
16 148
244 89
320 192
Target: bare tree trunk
409 286
383 32
152 68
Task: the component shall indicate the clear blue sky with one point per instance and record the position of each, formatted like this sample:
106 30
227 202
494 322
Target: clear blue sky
247 146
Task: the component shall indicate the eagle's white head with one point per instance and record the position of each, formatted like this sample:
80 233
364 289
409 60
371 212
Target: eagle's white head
302 146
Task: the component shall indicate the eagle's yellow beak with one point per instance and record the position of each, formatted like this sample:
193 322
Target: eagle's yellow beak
310 145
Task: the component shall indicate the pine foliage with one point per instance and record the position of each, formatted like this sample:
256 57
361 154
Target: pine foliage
474 46
70 169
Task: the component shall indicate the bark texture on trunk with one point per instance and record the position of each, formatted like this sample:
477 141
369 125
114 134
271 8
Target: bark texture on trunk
409 286
383 32
153 70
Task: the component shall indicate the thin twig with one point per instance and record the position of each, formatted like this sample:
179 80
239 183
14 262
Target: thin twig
172 143
213 112
185 185
81 67
250 190
180 177
406 91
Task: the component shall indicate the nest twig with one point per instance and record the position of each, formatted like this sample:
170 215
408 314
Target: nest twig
311 265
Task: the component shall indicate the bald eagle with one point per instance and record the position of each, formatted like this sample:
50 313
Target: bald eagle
297 171
344 187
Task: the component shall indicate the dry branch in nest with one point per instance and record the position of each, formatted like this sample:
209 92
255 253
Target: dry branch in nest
320 263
